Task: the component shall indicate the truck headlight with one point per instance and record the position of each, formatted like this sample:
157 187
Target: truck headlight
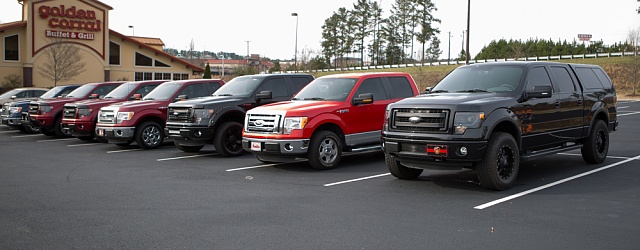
15 110
83 112
123 116
465 120
202 114
291 123
45 108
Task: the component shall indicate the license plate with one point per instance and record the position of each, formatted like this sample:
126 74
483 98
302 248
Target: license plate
256 146
437 150
100 132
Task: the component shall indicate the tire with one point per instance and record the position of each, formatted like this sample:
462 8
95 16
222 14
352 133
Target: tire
228 139
57 129
122 144
401 172
190 149
149 135
498 169
596 146
48 132
325 150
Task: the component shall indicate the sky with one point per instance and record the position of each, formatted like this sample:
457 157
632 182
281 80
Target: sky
268 28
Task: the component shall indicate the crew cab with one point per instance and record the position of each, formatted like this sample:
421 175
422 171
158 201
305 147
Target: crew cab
219 119
13 113
47 114
143 121
79 118
331 115
491 116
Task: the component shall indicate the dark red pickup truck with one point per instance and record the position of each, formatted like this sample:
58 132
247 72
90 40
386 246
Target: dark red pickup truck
47 114
79 118
331 115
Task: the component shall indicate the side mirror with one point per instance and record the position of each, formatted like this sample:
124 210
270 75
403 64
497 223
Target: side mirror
427 90
93 96
181 98
136 97
539 92
13 97
366 98
265 94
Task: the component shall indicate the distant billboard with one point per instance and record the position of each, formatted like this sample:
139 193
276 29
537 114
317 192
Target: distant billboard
584 37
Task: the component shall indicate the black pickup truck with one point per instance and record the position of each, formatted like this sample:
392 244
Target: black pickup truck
218 119
491 116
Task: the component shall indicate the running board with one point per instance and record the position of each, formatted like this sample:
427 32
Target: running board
369 148
536 154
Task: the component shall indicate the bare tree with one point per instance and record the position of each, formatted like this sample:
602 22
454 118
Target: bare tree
64 61
634 40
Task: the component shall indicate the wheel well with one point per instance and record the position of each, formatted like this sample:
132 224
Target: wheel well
333 128
601 116
510 128
235 116
153 119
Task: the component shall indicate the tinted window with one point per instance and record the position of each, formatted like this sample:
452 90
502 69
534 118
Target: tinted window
299 83
373 86
588 78
277 86
145 90
114 53
604 79
538 77
400 87
11 45
562 78
194 91
104 90
39 92
214 86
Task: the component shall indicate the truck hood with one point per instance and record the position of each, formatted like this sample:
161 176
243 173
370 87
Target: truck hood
96 102
58 101
301 108
139 105
463 101
207 101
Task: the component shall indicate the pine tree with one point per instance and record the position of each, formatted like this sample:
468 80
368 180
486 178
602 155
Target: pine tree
207 72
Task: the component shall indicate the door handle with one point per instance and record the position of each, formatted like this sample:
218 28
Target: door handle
557 104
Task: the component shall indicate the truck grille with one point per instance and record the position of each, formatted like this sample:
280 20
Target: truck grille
179 114
69 112
419 120
33 108
107 116
263 123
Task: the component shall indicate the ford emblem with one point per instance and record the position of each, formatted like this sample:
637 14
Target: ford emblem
414 119
259 123
175 113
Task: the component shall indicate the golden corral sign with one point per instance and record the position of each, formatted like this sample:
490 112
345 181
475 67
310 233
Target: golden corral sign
72 20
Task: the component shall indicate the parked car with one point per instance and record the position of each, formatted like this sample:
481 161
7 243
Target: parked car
331 115
79 118
491 116
218 119
28 93
14 112
143 121
47 114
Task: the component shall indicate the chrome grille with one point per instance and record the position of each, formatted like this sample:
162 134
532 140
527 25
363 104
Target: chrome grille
263 123
419 120
69 112
107 116
180 114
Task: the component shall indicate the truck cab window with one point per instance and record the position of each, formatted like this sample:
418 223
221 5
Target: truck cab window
538 77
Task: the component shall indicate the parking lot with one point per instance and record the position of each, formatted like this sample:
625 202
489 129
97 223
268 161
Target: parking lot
67 193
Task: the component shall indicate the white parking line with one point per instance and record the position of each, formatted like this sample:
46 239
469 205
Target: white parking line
19 136
624 107
9 131
84 144
489 204
252 167
608 156
66 139
354 180
124 150
184 157
633 113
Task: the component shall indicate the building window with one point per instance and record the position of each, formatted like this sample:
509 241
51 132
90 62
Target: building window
11 48
178 76
143 76
114 53
142 60
161 64
162 76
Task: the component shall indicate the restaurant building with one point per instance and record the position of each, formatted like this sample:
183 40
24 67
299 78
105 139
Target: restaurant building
49 26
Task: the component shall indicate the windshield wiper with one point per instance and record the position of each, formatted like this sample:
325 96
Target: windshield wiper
473 90
293 99
224 95
314 98
149 98
439 91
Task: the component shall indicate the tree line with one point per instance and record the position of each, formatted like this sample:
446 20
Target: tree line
540 47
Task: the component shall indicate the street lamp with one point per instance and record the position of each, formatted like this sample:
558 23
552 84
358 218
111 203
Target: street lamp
295 55
133 30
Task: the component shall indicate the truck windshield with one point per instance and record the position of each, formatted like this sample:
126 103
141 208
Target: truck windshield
481 78
239 86
330 89
82 91
122 91
163 92
51 93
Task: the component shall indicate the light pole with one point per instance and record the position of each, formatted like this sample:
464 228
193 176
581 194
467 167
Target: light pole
133 30
295 54
449 54
468 31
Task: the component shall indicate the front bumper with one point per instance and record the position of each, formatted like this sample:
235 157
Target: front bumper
295 147
435 154
189 136
13 122
43 122
116 134
79 128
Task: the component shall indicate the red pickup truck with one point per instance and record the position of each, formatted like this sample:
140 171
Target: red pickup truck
332 114
79 118
144 121
47 114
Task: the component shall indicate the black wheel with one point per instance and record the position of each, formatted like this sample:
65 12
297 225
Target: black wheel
228 139
57 128
401 172
21 128
189 149
149 135
499 167
48 132
325 150
30 129
596 146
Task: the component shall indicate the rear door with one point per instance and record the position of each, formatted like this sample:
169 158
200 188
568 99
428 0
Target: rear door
568 103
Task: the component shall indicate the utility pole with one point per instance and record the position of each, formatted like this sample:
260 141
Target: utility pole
449 54
468 24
